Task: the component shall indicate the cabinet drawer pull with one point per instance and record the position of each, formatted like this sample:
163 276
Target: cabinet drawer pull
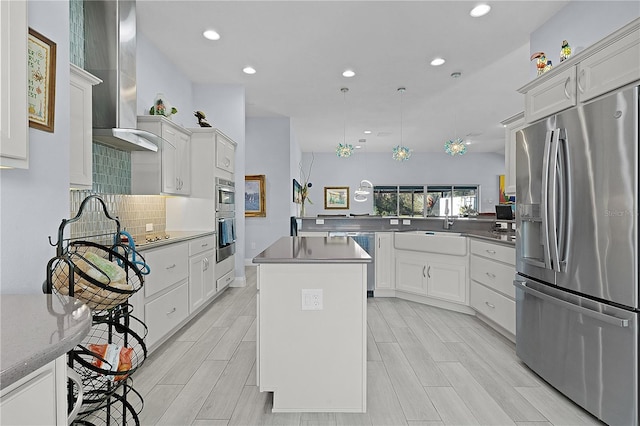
490 275
171 311
205 245
491 305
491 251
171 267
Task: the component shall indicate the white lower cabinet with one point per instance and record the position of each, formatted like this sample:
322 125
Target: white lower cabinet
383 262
492 292
436 276
181 283
38 398
202 282
166 312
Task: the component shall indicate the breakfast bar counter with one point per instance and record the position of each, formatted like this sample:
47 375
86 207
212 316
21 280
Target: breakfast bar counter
312 324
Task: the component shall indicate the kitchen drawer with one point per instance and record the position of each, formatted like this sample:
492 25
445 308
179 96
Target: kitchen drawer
494 251
166 312
202 244
225 280
494 306
169 265
495 275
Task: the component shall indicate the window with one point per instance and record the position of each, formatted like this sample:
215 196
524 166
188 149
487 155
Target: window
425 200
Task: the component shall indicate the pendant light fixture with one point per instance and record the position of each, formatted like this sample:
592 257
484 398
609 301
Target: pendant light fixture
344 149
401 152
455 146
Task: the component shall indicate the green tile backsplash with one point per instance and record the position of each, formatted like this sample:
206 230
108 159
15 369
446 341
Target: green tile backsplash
111 170
76 32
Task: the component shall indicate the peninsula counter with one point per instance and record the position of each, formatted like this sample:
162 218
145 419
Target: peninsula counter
312 324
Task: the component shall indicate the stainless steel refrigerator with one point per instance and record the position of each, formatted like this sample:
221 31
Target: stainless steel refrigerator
577 254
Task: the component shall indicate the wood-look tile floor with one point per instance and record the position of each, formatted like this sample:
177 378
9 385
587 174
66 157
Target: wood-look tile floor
426 366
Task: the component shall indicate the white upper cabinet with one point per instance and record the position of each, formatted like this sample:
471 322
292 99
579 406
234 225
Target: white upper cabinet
512 126
609 64
225 154
81 128
167 171
14 134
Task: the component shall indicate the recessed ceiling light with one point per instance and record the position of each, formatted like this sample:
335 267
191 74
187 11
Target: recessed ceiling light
367 132
348 73
436 62
211 35
249 70
480 10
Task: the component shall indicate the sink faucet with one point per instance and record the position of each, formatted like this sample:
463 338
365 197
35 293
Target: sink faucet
448 221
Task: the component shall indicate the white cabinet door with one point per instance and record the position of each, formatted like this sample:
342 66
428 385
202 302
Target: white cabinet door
411 272
512 127
169 161
225 154
554 94
383 260
81 128
183 162
14 135
447 281
202 285
165 313
610 68
169 265
45 389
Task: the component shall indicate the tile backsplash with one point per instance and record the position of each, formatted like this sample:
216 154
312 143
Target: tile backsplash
133 212
111 170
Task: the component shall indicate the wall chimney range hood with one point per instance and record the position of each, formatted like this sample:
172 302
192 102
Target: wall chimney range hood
110 54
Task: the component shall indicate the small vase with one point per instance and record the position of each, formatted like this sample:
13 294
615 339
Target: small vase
302 209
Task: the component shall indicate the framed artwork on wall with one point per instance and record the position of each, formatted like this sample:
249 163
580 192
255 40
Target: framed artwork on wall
336 197
255 196
297 192
41 63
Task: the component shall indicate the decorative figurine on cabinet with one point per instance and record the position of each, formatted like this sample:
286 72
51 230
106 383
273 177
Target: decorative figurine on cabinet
565 51
541 63
202 119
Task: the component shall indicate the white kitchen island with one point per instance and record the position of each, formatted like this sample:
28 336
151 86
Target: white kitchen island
312 324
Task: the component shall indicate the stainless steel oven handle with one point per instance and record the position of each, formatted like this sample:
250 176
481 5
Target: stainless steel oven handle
619 322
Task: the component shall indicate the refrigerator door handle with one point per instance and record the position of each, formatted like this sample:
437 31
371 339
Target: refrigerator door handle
544 199
563 197
552 201
619 322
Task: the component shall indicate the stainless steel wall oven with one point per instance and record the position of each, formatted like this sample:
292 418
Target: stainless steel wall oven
225 195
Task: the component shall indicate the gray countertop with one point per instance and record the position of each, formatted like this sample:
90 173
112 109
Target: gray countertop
506 238
175 237
313 250
35 329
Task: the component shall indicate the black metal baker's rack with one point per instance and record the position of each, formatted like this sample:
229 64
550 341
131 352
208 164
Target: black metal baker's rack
78 270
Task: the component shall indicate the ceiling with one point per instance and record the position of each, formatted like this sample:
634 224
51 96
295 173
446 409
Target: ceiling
301 48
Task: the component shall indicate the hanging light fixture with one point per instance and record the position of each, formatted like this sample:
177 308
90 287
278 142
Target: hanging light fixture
455 146
344 149
401 152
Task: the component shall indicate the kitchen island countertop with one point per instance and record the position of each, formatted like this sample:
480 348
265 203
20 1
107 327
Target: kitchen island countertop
36 329
313 250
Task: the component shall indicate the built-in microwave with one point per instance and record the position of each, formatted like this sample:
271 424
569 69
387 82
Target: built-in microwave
225 195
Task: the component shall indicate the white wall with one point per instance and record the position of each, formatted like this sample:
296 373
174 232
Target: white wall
33 202
423 168
268 147
155 74
581 23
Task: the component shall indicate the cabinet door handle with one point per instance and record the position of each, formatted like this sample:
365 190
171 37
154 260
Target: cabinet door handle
491 251
171 311
227 162
171 267
423 269
429 271
490 275
205 264
566 86
491 305
580 79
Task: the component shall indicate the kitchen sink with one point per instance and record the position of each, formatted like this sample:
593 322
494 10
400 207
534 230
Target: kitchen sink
450 243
